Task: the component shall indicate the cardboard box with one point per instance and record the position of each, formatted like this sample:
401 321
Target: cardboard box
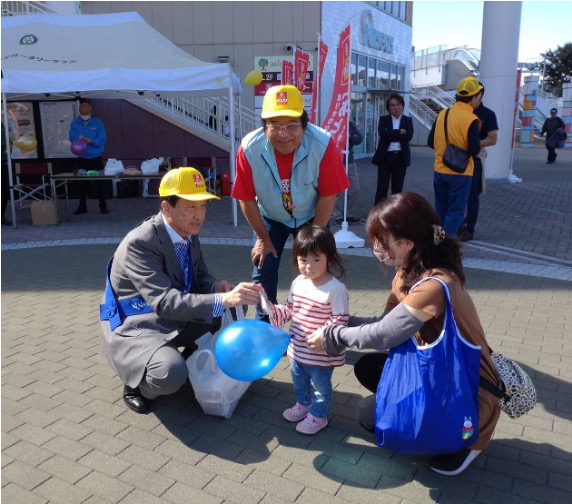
43 213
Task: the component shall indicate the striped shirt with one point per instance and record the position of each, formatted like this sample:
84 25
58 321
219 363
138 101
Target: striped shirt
309 308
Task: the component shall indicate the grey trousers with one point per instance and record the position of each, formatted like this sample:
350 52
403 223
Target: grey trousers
353 196
166 372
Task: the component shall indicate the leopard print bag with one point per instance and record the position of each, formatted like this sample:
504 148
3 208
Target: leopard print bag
518 394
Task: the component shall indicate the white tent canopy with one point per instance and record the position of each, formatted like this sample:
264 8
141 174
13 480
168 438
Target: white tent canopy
100 55
50 56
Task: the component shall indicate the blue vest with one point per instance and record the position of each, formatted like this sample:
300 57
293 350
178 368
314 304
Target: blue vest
305 172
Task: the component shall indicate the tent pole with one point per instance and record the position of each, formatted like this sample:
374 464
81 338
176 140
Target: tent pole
232 151
9 158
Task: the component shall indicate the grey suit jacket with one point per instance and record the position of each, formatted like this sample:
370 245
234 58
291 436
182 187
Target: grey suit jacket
145 264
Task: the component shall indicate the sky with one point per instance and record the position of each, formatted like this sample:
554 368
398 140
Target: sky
543 26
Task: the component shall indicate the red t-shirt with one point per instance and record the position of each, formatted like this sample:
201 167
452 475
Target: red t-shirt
331 180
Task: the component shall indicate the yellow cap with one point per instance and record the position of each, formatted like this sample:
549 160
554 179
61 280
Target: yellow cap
282 101
469 86
186 183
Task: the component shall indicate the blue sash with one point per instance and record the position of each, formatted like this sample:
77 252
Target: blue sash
116 310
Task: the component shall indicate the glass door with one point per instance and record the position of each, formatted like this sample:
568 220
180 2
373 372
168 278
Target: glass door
358 116
378 106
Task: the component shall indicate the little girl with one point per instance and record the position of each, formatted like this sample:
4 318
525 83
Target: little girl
316 299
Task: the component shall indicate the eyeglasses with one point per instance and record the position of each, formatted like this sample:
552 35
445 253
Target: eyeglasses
287 128
381 252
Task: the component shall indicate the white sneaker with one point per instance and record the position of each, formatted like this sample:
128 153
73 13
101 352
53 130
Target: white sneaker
296 413
311 425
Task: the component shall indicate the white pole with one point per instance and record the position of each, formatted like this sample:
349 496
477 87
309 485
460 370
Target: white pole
232 150
317 83
347 156
9 157
498 71
345 238
294 70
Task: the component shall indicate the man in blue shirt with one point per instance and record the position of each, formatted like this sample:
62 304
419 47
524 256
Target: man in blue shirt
91 130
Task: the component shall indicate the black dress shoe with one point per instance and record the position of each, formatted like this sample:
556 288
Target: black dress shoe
466 235
104 210
80 210
134 400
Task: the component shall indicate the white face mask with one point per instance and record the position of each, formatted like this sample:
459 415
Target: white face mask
85 117
383 256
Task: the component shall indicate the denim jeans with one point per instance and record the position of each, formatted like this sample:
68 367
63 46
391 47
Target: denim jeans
306 377
268 274
451 197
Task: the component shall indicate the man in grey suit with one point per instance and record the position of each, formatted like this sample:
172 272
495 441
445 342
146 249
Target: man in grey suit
154 302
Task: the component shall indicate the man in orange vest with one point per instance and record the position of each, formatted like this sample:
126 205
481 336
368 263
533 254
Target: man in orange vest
452 189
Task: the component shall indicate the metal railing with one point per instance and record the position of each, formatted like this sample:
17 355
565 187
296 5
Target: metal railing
19 8
435 94
207 115
549 97
421 111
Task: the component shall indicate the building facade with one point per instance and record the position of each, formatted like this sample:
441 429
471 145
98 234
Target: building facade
243 32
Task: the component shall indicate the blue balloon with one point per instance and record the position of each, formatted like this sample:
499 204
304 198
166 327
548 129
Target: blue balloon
248 349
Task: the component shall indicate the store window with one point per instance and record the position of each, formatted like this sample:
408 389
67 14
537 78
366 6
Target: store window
362 70
394 81
353 68
371 65
358 116
395 9
382 75
376 74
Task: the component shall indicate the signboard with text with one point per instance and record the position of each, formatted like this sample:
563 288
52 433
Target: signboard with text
271 69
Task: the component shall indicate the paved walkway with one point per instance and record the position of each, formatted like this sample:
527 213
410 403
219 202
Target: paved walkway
67 438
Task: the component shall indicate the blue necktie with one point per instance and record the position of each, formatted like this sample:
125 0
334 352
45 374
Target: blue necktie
182 250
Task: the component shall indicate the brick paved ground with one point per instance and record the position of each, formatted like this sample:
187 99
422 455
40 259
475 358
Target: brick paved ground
67 437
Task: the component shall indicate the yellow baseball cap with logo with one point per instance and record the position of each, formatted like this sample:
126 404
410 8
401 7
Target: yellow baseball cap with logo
282 101
469 86
186 183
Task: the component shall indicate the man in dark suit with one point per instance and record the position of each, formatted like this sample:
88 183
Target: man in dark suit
154 302
393 155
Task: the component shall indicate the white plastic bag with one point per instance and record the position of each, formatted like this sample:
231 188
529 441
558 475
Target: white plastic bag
217 393
151 166
113 167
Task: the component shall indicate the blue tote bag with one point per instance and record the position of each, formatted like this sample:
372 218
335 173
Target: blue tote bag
427 397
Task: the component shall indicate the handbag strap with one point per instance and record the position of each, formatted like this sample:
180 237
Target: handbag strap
445 123
497 390
449 307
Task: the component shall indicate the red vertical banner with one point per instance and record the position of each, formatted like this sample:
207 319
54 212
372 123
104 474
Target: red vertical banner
336 122
322 54
301 64
287 72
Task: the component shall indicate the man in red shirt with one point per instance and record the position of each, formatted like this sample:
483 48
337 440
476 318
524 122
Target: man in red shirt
288 174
